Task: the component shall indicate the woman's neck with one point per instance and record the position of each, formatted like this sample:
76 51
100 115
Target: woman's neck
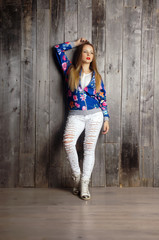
85 68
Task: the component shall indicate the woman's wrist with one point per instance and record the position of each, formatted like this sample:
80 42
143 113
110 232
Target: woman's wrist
106 119
75 43
72 44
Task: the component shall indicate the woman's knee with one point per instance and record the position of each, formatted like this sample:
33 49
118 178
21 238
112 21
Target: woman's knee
90 143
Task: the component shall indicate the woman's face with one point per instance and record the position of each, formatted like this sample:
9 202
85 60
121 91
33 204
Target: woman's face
87 54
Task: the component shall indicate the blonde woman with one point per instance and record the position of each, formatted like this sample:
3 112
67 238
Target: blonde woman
87 109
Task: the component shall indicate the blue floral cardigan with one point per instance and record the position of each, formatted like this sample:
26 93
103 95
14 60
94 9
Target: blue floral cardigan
82 101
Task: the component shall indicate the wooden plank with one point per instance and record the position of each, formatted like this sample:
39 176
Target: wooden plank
71 24
85 19
147 90
112 152
57 100
28 93
98 40
42 98
147 166
129 175
10 93
98 33
114 15
132 3
56 177
98 175
70 20
43 4
70 35
156 103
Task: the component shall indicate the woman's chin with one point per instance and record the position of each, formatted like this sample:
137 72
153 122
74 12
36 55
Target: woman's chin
86 61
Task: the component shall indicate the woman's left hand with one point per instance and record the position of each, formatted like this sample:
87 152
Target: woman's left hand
105 127
80 41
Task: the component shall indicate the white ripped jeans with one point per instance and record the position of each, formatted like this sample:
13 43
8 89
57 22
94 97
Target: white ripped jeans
75 125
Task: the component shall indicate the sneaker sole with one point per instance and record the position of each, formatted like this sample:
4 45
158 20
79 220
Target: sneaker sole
86 199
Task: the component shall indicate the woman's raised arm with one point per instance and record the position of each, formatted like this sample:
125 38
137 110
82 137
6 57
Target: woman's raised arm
62 57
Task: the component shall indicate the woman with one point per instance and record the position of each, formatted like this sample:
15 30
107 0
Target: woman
87 107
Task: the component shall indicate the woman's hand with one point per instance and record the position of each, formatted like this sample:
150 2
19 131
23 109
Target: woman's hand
105 127
80 41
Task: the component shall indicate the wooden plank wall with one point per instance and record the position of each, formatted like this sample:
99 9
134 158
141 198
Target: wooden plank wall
42 94
58 162
28 94
33 111
113 75
10 104
156 103
147 93
130 93
98 39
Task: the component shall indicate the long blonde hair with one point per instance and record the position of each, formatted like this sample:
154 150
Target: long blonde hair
74 70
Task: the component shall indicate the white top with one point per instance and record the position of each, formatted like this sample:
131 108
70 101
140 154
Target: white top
85 79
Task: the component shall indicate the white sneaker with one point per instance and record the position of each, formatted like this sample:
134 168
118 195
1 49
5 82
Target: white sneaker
85 194
76 187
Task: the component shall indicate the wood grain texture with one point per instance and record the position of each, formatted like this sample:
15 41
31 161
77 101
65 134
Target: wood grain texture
98 175
71 17
57 99
130 96
42 99
112 152
56 214
132 3
28 94
147 91
113 56
9 92
71 20
156 102
114 18
43 4
85 19
147 168
98 40
98 33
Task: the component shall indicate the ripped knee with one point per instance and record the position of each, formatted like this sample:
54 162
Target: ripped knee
89 146
90 143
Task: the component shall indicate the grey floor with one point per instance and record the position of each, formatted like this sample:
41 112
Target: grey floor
112 213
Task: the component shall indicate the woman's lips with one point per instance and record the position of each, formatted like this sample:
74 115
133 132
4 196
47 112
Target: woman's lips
88 58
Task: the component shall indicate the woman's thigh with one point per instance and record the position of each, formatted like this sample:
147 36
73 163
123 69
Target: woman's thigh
92 129
74 127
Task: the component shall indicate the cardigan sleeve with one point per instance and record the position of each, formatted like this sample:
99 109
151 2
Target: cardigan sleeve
61 55
101 96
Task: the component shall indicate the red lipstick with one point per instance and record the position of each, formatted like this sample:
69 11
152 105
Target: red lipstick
88 58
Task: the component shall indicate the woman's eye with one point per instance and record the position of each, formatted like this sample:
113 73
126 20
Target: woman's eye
87 52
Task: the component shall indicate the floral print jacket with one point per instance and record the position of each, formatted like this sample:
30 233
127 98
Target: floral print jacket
81 99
